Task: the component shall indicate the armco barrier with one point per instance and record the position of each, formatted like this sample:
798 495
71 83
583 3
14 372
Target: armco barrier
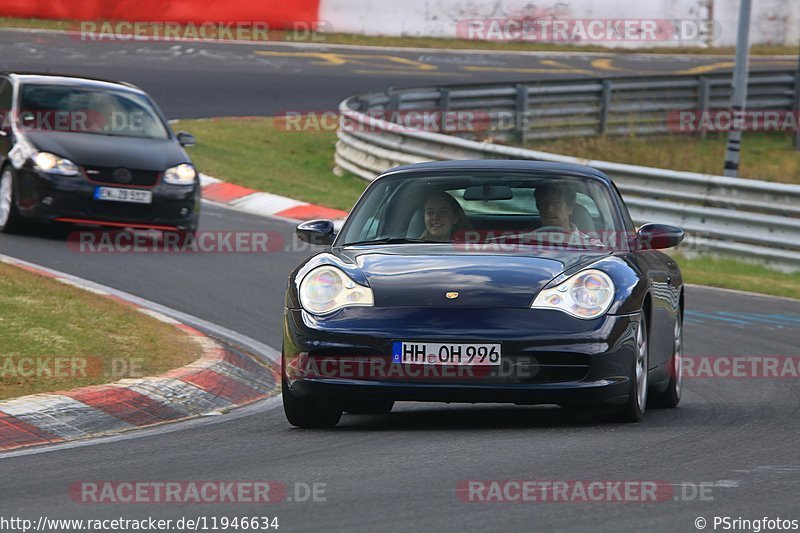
276 14
750 219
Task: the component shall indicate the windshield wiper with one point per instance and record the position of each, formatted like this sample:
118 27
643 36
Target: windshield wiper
388 240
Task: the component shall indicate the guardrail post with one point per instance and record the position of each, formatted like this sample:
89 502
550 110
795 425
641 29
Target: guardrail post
394 102
605 105
796 106
703 96
522 113
444 106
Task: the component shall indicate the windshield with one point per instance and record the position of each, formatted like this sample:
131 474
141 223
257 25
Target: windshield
89 110
528 210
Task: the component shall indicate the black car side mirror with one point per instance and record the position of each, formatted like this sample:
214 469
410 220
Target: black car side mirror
316 232
659 236
185 138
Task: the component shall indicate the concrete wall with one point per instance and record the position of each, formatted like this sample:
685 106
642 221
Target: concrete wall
773 21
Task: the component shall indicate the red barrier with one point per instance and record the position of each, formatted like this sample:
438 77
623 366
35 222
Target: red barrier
276 13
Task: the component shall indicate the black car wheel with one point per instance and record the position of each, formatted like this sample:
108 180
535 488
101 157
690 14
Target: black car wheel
370 407
672 395
9 218
306 412
634 408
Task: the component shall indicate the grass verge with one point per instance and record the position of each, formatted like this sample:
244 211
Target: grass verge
436 42
766 156
256 153
730 274
56 337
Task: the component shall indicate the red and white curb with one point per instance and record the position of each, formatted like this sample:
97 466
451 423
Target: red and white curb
216 382
264 203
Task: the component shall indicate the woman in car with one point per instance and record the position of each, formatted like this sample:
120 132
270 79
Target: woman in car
443 216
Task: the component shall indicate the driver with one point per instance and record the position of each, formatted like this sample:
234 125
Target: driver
555 204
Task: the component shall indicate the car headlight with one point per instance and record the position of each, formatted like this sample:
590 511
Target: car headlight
587 294
52 164
184 174
326 289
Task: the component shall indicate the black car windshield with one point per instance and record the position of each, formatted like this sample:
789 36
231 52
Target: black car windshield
487 208
91 110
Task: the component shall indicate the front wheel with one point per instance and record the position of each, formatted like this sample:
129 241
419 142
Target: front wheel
306 412
634 408
9 217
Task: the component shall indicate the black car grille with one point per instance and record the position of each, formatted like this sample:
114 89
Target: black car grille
117 176
121 211
543 367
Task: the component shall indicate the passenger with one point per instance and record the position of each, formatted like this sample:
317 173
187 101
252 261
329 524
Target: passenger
443 216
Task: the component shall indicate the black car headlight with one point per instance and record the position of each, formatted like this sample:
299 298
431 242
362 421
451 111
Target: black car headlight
587 294
326 289
184 174
53 164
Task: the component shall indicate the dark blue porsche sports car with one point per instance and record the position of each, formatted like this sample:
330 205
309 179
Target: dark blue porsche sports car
484 281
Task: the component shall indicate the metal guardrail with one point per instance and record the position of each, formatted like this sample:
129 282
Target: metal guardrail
750 219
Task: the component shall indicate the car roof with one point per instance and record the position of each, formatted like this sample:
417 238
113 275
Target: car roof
39 78
499 165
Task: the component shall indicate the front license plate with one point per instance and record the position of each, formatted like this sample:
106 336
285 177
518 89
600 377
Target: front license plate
429 353
134 196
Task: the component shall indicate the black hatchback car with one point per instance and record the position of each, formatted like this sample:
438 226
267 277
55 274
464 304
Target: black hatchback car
88 151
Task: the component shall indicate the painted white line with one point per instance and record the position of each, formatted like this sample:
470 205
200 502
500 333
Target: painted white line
205 179
267 203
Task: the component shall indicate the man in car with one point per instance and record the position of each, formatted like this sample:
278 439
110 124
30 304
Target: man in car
556 204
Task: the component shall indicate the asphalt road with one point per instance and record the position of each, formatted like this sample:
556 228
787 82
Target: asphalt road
736 437
193 80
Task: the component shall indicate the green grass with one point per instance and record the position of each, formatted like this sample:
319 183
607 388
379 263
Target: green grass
255 153
41 318
434 42
731 274
767 156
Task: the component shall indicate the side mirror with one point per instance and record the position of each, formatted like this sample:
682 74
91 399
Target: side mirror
316 232
659 236
186 139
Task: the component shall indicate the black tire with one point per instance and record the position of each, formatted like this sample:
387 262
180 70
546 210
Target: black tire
671 396
370 407
306 412
10 219
634 408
